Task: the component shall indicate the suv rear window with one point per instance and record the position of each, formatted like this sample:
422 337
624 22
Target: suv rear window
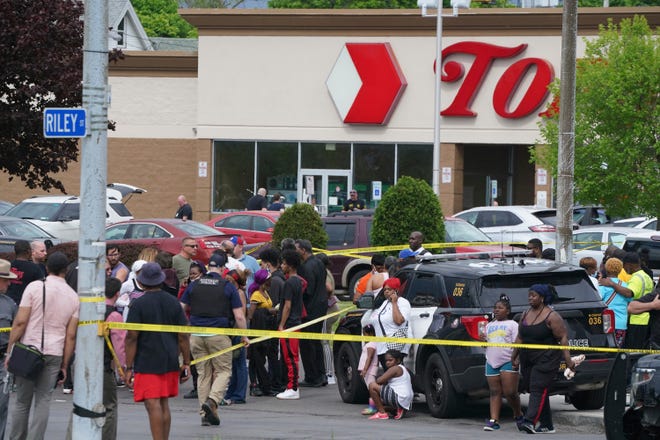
634 245
340 234
570 286
120 209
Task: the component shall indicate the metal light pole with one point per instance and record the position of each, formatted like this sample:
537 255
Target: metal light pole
566 151
433 4
88 381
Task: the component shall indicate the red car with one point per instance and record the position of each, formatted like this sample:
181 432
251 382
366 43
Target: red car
166 234
254 226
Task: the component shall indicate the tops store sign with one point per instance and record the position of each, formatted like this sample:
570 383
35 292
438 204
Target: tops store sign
366 81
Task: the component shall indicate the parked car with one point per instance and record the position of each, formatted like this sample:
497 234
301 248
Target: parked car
639 222
592 241
642 419
12 229
643 241
5 206
352 230
254 226
60 215
452 301
517 224
590 215
166 234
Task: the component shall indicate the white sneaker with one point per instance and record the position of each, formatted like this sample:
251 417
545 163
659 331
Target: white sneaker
289 394
67 390
331 379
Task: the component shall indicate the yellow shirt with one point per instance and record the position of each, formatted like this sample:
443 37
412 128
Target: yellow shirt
263 302
640 284
624 276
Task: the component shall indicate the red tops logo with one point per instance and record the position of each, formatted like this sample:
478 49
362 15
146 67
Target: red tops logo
507 85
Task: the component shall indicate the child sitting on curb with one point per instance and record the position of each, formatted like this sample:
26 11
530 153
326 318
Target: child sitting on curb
393 390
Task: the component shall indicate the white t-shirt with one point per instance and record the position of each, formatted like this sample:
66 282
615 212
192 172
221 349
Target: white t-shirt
383 320
402 386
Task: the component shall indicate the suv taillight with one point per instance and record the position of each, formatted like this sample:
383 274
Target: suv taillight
608 321
475 326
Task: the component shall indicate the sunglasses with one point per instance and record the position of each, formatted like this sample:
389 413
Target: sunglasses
191 245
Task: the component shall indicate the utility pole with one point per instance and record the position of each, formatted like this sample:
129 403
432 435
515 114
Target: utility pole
566 152
88 383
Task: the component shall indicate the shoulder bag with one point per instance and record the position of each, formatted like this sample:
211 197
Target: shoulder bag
26 360
401 332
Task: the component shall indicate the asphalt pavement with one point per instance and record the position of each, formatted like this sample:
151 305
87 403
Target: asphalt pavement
320 414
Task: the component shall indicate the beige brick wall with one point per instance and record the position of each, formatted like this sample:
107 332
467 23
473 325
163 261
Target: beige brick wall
164 167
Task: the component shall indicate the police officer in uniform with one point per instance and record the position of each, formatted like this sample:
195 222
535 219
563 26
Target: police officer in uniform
213 302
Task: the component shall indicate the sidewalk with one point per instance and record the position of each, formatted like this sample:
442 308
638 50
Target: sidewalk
566 414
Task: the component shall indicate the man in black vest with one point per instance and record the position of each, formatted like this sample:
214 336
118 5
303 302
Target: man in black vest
213 302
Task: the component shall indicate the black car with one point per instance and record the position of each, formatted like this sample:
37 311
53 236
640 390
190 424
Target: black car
453 300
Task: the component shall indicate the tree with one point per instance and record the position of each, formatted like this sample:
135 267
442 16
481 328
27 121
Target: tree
300 221
41 67
408 206
160 19
617 150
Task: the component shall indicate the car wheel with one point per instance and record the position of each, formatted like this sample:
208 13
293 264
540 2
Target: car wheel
351 386
441 397
591 399
354 280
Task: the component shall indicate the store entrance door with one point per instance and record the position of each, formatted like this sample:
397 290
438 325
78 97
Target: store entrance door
326 189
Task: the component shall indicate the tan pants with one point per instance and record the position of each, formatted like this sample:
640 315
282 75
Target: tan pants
213 374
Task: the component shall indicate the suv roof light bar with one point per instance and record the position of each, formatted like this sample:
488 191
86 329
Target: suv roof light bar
462 255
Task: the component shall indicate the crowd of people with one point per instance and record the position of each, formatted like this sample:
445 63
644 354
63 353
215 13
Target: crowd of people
284 290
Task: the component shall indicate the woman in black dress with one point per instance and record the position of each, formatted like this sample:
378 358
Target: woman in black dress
540 324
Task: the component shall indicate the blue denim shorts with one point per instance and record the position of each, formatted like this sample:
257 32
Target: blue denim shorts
506 368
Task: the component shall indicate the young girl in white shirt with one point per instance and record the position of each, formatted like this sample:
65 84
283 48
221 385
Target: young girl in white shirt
393 390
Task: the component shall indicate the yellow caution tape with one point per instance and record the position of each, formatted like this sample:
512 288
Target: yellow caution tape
91 299
5 329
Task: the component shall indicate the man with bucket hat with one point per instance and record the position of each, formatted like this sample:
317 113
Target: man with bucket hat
8 310
152 358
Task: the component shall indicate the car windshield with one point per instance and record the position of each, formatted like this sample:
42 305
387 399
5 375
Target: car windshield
459 232
35 210
22 229
572 287
195 229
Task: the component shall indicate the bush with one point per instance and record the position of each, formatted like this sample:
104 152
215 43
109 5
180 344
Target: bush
300 221
408 206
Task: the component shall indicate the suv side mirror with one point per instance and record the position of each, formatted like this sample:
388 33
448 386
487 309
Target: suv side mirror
366 301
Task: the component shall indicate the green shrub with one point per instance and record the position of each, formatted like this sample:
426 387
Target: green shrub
408 206
300 221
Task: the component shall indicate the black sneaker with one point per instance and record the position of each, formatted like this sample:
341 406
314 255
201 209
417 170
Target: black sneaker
210 409
545 430
527 427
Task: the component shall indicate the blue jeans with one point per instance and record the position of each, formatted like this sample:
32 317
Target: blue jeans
239 375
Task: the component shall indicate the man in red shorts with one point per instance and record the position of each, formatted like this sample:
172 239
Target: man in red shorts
152 358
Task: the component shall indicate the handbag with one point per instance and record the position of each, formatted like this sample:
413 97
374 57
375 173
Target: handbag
401 332
26 360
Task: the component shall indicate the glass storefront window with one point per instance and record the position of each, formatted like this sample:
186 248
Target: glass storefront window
372 162
277 169
415 160
326 156
233 172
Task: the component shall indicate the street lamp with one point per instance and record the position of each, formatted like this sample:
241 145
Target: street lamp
433 4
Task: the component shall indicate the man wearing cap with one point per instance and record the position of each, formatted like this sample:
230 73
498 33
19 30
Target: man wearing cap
152 358
7 313
213 302
353 202
51 327
232 263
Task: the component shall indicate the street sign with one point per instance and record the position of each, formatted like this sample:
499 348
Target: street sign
65 122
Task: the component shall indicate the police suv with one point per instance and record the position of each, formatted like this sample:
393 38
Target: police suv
452 298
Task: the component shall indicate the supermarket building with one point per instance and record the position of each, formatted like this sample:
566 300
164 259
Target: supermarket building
315 102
